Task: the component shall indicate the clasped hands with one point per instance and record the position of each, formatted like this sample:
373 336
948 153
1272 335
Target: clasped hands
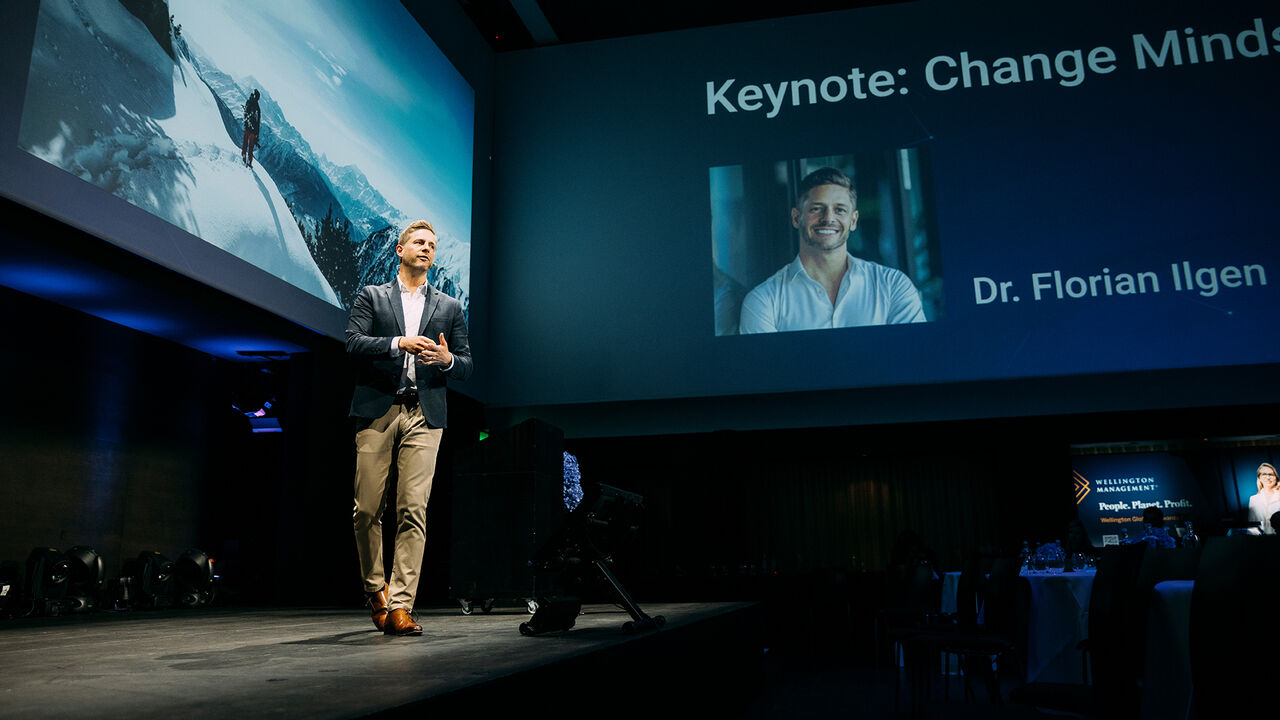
428 351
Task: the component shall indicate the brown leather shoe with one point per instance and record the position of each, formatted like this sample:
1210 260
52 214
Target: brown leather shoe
378 604
400 623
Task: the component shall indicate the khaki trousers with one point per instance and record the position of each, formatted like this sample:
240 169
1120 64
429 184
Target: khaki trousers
403 433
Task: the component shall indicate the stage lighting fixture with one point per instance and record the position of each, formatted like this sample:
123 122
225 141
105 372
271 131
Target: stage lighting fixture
552 615
265 425
611 520
147 581
46 581
85 574
253 394
602 524
194 578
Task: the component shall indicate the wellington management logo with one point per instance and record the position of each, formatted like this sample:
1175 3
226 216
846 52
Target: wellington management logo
1082 485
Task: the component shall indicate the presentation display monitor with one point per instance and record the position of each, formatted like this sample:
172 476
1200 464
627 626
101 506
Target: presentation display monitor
1219 485
300 143
1004 190
1113 491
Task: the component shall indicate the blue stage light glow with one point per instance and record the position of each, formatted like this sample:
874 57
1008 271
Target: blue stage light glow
265 425
140 321
52 282
260 412
233 348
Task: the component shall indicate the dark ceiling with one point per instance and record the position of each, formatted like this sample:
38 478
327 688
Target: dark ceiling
522 24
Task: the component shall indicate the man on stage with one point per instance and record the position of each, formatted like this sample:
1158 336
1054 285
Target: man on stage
404 338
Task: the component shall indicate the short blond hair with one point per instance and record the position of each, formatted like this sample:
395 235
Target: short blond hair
415 225
1273 470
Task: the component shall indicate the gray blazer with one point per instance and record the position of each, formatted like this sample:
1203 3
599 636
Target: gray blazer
376 317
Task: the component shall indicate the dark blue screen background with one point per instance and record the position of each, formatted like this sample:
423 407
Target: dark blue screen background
602 269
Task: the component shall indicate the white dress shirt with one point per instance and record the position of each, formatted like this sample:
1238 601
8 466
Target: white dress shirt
869 294
1261 507
413 302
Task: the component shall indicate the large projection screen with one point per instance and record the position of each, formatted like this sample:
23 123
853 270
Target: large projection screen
271 153
1068 189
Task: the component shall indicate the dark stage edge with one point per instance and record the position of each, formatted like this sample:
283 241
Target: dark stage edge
332 663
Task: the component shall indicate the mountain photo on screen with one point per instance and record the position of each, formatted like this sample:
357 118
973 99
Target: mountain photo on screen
301 145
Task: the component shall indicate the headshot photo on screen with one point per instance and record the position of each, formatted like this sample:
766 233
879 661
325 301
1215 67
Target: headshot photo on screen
1266 502
824 243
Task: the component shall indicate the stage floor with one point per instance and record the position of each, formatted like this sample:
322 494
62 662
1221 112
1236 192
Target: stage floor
332 663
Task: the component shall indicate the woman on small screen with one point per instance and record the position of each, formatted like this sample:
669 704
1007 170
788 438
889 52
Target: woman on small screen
1267 502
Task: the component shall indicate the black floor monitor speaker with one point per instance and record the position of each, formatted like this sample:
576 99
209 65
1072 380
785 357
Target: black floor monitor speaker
507 501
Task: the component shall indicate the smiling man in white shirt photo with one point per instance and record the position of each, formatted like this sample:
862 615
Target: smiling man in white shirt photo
825 286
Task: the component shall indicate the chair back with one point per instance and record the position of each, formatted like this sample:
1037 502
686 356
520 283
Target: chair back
1158 565
999 597
967 590
1113 637
912 587
1236 585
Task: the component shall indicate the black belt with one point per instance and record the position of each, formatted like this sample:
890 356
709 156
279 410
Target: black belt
408 399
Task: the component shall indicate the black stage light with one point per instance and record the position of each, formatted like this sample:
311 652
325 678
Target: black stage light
85 573
552 615
611 519
147 581
193 578
604 522
46 581
253 392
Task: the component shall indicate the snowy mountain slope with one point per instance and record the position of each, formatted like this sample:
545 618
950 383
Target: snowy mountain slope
314 187
370 210
106 103
284 152
376 256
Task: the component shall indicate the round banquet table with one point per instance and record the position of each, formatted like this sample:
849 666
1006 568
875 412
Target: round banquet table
1057 620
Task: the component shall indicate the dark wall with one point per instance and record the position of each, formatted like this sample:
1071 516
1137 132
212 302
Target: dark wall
119 440
104 436
115 439
721 507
